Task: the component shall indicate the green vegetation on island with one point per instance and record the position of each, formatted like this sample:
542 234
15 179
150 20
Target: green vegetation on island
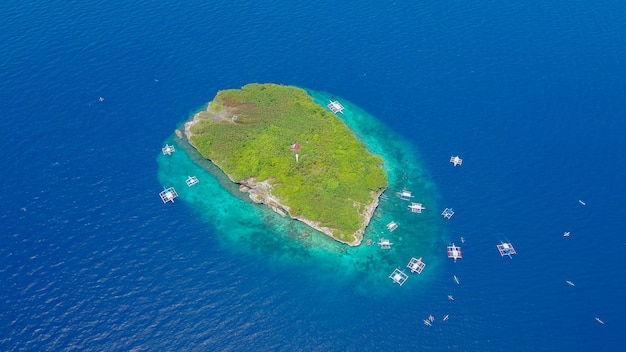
311 164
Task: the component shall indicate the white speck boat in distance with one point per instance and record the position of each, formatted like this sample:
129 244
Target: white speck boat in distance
454 252
416 265
581 202
456 279
392 226
570 283
416 208
455 160
384 243
191 180
168 149
398 276
405 194
335 106
447 213
599 320
168 195
506 248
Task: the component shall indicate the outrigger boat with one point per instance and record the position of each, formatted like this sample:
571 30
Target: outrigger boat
599 320
506 249
456 279
445 317
581 202
570 283
454 252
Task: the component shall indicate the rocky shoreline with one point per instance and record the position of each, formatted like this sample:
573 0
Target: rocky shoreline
261 193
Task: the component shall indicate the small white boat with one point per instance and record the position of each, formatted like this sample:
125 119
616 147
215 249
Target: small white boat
427 322
599 320
581 202
456 279
445 317
450 297
566 234
570 283
462 239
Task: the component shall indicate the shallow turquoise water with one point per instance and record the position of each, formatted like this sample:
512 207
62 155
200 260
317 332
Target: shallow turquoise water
254 229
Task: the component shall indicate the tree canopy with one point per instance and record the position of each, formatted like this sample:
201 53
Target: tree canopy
257 131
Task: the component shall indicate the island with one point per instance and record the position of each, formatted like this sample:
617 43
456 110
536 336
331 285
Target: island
291 154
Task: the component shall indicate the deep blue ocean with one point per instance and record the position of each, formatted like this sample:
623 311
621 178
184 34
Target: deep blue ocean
532 96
